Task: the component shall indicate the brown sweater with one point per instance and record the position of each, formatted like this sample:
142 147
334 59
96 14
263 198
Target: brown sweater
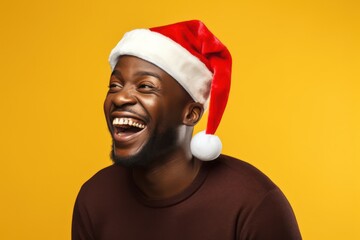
229 199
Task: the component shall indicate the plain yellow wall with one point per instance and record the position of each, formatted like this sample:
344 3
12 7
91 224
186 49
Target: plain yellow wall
293 110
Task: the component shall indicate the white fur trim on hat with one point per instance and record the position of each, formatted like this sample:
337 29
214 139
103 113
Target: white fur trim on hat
188 70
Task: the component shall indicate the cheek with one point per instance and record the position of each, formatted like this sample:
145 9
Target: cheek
153 106
107 106
107 101
171 115
156 110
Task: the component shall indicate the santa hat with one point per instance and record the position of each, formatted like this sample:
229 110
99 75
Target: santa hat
195 58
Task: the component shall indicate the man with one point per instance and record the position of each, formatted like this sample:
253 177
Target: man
163 184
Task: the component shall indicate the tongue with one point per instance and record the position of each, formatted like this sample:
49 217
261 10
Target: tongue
128 129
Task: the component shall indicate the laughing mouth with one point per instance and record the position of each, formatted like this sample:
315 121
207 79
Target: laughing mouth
127 125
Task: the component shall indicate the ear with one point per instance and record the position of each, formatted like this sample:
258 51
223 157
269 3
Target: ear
192 113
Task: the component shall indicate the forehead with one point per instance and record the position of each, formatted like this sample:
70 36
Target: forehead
131 65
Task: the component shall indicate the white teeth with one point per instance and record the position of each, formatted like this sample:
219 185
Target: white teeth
126 121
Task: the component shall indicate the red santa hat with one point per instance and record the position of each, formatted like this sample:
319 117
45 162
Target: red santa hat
195 58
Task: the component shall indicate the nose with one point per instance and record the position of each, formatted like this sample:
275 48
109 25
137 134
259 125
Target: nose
125 96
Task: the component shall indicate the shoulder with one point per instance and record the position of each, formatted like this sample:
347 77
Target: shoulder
265 211
240 173
237 181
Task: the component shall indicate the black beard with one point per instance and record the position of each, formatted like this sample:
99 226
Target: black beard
152 153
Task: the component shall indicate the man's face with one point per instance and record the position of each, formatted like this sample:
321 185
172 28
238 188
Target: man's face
144 111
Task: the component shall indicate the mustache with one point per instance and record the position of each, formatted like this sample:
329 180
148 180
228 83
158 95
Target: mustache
129 110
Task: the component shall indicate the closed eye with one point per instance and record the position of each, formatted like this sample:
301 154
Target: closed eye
146 86
114 87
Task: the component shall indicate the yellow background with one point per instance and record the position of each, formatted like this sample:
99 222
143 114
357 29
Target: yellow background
293 110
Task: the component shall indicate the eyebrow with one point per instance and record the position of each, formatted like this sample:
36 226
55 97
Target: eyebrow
116 73
140 73
146 73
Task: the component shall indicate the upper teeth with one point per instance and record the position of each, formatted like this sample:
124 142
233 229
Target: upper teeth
127 121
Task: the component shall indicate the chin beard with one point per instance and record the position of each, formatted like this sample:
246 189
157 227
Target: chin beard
153 152
141 159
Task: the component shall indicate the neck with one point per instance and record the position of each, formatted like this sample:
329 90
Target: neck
168 178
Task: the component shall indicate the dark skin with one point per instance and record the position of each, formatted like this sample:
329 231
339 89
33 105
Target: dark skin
143 93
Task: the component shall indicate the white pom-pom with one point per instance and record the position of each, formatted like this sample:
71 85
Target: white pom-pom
205 147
